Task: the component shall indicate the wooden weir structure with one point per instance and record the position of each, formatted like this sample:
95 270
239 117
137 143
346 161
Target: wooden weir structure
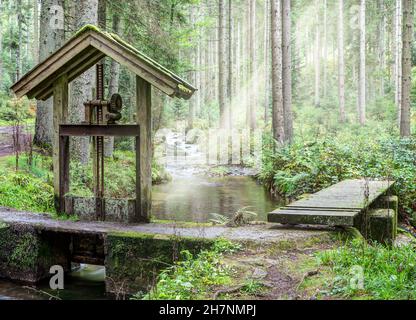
52 77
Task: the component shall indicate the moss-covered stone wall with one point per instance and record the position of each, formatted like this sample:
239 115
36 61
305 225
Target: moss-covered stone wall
26 254
134 260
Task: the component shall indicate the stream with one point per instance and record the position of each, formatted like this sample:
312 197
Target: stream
191 195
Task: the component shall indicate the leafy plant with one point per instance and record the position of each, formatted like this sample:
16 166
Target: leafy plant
192 277
240 218
388 272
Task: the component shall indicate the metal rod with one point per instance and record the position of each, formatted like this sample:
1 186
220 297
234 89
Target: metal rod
100 142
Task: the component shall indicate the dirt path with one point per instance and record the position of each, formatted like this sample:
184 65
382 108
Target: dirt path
6 140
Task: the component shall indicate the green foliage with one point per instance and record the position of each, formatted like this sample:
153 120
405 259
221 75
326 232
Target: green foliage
12 110
120 176
252 287
389 272
241 217
25 192
192 277
159 173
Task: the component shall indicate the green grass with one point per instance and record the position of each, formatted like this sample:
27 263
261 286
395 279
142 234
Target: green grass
389 272
25 192
31 187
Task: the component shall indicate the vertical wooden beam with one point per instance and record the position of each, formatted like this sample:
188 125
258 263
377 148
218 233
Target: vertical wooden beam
60 114
63 172
144 119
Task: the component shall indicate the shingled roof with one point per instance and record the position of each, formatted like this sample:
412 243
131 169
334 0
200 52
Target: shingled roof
88 46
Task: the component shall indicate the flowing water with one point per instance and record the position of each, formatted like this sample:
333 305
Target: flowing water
190 196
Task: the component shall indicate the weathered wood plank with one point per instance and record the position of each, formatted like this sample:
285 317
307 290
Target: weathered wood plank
144 119
348 194
50 65
99 130
60 114
330 218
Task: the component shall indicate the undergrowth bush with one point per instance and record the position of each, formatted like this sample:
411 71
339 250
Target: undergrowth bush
192 276
25 192
388 272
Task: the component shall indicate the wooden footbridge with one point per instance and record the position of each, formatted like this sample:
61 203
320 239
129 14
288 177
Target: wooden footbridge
346 204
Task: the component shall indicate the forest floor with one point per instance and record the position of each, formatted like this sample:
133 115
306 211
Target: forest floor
284 270
288 270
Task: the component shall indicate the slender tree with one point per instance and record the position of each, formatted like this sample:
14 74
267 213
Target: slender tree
1 44
341 63
230 64
382 46
267 50
36 31
362 71
222 64
51 37
277 90
82 87
408 16
325 48
398 56
18 52
317 56
252 98
287 69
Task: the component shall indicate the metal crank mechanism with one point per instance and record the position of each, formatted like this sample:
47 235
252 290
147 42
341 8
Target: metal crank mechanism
101 112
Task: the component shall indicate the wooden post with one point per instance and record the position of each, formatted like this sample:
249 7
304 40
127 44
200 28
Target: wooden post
60 113
144 119
63 172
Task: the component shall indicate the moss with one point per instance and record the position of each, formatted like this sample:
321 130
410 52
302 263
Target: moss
183 224
87 27
25 252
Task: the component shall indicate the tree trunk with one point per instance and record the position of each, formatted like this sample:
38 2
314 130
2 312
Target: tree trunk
267 50
408 14
36 31
50 39
222 85
252 64
277 93
1 44
287 69
230 65
398 56
82 87
382 46
317 58
325 47
362 77
19 46
341 63
113 85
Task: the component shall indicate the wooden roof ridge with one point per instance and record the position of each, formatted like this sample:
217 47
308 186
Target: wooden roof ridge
88 46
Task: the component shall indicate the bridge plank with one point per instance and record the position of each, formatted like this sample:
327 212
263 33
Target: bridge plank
348 194
330 218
